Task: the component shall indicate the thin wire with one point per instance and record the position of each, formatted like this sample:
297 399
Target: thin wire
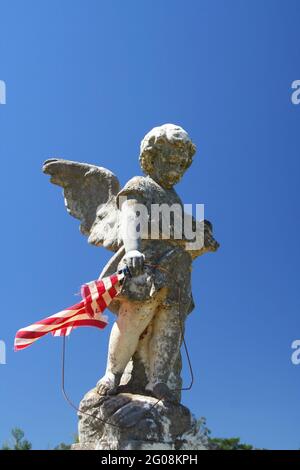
182 330
105 422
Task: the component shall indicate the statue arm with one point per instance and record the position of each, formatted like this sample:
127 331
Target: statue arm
134 194
206 241
131 237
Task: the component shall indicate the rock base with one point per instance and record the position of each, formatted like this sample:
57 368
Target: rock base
136 422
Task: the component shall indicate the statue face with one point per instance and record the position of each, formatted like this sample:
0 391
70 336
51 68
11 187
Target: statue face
165 154
170 163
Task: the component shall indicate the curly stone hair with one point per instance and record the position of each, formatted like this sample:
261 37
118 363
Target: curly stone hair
152 144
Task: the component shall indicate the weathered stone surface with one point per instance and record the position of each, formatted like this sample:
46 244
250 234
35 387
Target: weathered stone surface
136 422
144 357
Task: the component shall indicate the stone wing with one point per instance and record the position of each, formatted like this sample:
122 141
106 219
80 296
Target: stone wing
90 196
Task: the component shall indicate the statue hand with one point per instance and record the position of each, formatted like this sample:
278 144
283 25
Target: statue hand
134 260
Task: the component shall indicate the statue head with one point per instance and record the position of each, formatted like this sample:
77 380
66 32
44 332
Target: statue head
166 153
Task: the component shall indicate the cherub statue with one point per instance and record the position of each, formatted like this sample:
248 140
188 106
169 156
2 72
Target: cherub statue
144 347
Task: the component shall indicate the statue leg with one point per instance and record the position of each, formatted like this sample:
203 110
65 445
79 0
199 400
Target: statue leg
164 349
133 319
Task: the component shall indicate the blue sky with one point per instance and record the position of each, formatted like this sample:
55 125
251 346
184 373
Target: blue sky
85 81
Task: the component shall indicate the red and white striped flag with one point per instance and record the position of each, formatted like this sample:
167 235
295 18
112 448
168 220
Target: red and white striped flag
96 296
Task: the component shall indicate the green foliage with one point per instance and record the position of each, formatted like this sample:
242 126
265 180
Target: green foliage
202 428
218 443
232 443
63 446
18 441
215 443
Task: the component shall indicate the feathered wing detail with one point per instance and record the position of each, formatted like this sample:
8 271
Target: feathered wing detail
90 196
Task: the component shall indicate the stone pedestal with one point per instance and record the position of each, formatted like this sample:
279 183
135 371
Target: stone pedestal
136 422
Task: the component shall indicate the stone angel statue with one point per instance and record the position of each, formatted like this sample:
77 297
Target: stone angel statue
144 348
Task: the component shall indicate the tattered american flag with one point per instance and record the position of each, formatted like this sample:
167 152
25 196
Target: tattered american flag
96 296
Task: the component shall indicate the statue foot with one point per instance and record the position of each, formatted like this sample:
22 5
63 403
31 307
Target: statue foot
109 383
162 392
